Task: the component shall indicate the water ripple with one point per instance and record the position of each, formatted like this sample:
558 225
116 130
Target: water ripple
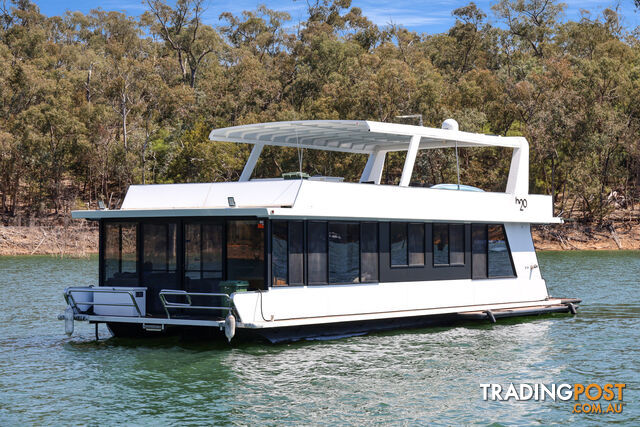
428 376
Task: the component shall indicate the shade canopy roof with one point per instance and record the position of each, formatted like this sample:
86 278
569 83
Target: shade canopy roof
355 136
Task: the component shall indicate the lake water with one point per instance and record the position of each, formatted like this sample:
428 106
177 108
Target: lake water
428 376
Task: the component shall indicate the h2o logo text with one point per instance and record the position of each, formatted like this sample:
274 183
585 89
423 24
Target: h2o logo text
522 202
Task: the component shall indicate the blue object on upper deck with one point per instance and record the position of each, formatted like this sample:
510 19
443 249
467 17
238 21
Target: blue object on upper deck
455 187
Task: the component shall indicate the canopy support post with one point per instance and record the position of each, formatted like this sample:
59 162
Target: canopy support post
518 181
407 170
374 167
366 173
251 162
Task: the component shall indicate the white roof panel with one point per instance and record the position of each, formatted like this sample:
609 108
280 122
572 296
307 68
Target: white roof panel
211 196
355 136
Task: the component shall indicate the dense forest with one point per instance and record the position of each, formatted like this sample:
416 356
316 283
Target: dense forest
93 103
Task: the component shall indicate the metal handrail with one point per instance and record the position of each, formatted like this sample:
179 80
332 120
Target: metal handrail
68 297
170 304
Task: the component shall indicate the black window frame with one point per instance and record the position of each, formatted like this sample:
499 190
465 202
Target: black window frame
289 225
308 271
464 251
409 240
139 222
377 250
433 236
102 240
405 225
223 241
358 233
506 241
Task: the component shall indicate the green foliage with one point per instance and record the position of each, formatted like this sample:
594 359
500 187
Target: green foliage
91 104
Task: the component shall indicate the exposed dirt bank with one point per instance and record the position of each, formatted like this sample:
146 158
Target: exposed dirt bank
76 240
577 236
82 240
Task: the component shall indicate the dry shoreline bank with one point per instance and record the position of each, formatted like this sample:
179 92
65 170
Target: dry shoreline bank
82 240
61 241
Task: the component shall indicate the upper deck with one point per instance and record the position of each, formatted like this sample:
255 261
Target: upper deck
326 199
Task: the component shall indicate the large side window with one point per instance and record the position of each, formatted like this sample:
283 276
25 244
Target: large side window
203 251
317 252
440 244
448 244
416 244
456 244
287 253
159 261
407 244
279 251
478 251
344 252
368 252
296 253
159 248
399 241
499 257
245 252
120 254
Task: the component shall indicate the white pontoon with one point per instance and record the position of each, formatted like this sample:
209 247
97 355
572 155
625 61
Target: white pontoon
314 256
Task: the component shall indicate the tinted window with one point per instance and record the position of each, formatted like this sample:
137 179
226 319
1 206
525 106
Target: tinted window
245 252
120 254
279 251
369 252
499 258
416 244
456 244
203 261
479 251
296 253
159 247
317 252
344 252
440 244
398 240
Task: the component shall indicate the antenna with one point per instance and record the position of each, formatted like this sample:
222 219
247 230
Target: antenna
299 153
452 125
457 165
412 116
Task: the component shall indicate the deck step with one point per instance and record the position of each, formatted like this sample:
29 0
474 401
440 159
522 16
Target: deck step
153 327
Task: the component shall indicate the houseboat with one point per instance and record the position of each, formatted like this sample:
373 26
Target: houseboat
299 256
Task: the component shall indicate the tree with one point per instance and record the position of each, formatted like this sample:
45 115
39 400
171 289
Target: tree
530 21
182 30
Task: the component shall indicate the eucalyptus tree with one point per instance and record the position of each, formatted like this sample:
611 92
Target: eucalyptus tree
182 30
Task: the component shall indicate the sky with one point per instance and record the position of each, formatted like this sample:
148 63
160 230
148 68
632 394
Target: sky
417 15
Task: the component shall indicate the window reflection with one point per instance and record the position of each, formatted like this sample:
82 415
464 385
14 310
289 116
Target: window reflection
369 252
279 250
120 254
245 252
499 259
317 252
344 252
456 237
440 244
399 243
203 251
416 244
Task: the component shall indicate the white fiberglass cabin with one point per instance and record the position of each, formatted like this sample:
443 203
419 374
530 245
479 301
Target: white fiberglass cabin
309 257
